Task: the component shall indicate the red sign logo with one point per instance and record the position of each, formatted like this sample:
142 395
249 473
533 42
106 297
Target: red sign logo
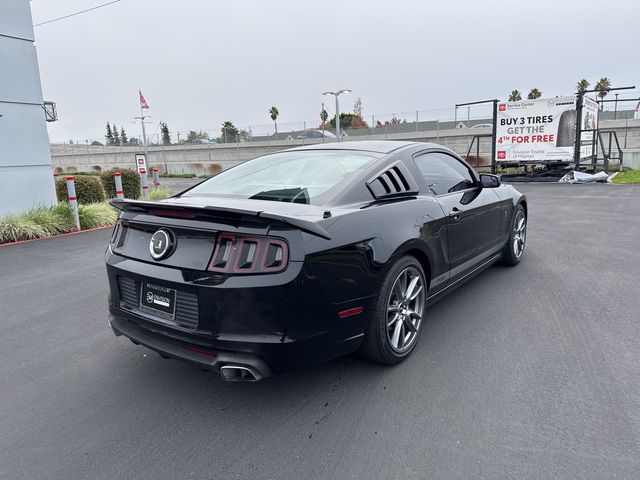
502 107
502 155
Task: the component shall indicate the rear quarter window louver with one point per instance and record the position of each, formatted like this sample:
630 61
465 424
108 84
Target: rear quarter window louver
394 181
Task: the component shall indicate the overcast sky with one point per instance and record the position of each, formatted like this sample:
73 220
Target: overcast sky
201 62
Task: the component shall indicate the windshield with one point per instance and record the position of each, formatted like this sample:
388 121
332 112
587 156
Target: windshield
311 177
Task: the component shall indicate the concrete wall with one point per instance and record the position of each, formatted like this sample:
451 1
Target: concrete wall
25 162
206 159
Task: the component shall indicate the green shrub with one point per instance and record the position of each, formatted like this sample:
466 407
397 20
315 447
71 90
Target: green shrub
130 182
88 189
159 193
96 215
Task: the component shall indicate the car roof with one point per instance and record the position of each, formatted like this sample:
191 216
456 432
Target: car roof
377 146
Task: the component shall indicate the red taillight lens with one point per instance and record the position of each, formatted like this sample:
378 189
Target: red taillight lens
240 254
119 235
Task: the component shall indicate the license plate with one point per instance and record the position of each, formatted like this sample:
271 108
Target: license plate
157 300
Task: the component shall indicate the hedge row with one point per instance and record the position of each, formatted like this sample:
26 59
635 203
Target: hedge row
88 189
130 182
91 189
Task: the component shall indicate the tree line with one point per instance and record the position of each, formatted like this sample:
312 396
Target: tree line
602 86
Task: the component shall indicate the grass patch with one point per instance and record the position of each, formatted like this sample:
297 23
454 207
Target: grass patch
177 175
96 215
159 193
627 177
54 220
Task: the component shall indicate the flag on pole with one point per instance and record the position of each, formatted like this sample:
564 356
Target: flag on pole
143 102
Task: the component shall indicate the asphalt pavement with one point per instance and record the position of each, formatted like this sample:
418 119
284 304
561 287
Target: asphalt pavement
524 373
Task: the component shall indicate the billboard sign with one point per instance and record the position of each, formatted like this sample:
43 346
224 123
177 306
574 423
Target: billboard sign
141 163
541 130
589 124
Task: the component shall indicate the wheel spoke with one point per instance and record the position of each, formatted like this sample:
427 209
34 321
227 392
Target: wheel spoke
411 287
516 246
393 308
401 338
408 323
402 281
416 293
520 225
395 339
393 320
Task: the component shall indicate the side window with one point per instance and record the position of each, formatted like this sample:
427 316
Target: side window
443 173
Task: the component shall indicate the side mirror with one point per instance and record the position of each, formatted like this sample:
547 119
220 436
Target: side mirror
489 181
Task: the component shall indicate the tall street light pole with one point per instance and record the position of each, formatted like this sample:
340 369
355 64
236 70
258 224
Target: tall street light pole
337 94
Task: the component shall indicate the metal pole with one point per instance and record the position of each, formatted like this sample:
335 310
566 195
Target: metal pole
156 177
338 118
416 121
144 133
493 137
576 149
117 178
615 110
73 201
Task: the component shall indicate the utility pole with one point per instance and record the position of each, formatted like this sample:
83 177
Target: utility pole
142 117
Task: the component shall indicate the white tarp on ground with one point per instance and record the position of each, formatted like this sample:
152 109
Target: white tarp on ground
580 177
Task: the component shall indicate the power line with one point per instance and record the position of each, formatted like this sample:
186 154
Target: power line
77 13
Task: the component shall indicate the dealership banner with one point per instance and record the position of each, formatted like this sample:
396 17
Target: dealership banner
589 123
540 130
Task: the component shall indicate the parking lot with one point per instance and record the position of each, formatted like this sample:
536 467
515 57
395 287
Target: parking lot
526 372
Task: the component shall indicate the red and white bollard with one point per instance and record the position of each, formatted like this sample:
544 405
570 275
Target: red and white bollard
118 179
156 177
73 201
145 185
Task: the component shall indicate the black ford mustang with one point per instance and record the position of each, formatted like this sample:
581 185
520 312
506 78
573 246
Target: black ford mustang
303 255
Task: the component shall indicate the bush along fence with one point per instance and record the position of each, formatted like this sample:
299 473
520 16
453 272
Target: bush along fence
82 205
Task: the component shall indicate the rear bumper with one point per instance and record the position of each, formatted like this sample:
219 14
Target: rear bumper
264 356
205 359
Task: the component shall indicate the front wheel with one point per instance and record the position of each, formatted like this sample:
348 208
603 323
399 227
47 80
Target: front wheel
514 248
394 326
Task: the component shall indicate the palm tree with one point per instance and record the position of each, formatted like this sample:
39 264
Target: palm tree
603 86
533 94
324 115
229 132
582 85
515 96
273 113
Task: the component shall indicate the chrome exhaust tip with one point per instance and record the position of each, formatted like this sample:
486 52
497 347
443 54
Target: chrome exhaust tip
238 373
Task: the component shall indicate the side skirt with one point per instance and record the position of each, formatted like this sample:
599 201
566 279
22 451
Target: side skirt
450 288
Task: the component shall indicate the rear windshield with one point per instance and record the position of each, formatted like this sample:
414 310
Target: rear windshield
311 177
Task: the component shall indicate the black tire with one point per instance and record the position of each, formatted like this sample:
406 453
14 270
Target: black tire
379 344
511 256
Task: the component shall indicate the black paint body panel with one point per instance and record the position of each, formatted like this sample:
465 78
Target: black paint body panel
291 319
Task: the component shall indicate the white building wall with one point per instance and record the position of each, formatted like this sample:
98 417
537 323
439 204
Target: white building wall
26 179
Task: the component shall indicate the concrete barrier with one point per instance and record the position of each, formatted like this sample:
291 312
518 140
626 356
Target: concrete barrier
209 159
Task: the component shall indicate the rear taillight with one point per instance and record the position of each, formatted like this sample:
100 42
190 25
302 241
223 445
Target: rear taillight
238 254
119 235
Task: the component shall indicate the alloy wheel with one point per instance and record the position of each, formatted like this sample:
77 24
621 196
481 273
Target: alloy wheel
405 309
519 234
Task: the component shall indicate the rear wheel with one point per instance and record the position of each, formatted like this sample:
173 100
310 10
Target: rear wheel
394 326
514 248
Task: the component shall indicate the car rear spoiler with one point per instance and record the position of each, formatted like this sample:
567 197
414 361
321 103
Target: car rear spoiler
308 226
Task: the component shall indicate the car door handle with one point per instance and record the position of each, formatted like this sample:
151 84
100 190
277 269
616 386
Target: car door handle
455 213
